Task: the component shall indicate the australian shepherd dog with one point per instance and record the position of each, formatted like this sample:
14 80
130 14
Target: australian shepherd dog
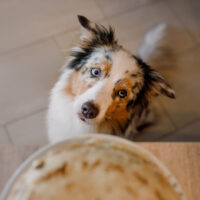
103 88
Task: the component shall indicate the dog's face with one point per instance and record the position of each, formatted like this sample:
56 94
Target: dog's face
109 85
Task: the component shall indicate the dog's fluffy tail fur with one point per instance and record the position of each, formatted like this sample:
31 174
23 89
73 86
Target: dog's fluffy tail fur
157 47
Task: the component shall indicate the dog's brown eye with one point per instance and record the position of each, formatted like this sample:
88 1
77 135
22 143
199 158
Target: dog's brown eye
122 93
95 72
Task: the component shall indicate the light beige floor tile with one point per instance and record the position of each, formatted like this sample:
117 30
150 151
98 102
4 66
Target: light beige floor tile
11 157
131 27
26 76
160 128
67 40
114 7
188 12
185 108
188 133
31 130
24 21
4 139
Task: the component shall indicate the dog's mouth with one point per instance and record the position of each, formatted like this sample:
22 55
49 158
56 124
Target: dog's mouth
81 117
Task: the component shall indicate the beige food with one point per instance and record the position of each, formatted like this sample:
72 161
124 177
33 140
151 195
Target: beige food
93 170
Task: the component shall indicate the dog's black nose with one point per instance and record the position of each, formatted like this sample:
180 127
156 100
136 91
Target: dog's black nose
89 110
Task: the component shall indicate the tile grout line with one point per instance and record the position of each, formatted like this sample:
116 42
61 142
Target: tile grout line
24 116
53 37
195 47
164 109
139 7
167 115
62 52
100 8
8 134
37 41
25 46
73 29
184 25
57 46
184 126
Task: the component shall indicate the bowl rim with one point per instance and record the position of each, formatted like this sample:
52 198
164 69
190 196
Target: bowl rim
127 143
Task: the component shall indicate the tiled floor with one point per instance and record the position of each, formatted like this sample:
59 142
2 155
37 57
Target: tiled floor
34 39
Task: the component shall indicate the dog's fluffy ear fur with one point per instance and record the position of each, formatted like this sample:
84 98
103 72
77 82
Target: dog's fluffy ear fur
87 27
159 85
154 83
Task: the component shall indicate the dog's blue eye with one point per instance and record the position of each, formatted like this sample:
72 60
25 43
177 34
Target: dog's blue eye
122 93
95 72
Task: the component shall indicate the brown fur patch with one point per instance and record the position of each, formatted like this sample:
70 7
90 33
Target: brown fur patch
105 67
119 114
117 110
116 114
76 84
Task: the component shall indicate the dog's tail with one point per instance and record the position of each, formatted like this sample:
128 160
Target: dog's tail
157 48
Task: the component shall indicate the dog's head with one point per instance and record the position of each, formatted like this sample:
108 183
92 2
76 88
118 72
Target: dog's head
109 84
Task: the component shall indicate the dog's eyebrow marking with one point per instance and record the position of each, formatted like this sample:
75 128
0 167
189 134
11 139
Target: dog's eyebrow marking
107 75
118 81
126 71
84 71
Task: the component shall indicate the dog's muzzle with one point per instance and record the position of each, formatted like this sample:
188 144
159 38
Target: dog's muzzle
89 110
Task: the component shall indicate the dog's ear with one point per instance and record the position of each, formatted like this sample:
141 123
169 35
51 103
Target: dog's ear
154 83
87 27
158 85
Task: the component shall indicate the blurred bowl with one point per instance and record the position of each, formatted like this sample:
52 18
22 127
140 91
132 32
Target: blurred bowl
128 145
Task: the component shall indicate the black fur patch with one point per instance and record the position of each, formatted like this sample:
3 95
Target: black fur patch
107 75
144 126
147 85
83 21
117 81
80 59
129 105
108 57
